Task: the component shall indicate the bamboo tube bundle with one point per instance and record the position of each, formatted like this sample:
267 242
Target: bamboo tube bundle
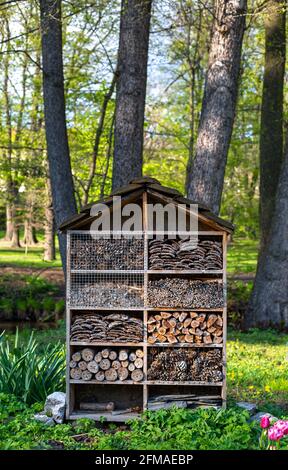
116 327
187 293
185 327
107 294
185 254
182 365
89 253
107 365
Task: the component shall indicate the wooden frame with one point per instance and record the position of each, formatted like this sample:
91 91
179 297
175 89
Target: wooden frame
71 385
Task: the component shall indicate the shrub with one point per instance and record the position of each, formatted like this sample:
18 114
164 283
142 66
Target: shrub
27 372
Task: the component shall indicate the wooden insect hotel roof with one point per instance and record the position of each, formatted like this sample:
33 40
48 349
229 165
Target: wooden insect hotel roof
134 190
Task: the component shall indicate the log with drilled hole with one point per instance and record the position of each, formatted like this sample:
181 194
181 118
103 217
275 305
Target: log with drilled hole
177 292
185 327
107 365
185 365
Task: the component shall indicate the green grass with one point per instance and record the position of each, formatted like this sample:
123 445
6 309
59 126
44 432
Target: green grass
242 256
18 257
258 367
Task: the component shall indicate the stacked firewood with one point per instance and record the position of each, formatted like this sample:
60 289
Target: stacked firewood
116 327
107 294
186 293
186 365
104 254
185 327
107 364
185 254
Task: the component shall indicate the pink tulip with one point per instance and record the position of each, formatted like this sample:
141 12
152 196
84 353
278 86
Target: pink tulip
282 426
265 422
275 434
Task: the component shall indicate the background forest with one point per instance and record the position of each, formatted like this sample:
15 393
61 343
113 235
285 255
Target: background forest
94 93
178 54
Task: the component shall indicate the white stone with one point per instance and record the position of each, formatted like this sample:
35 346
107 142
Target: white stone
42 418
250 407
55 406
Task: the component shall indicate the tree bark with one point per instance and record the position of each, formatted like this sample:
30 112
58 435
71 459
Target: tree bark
269 301
271 133
29 238
55 117
131 90
49 239
219 102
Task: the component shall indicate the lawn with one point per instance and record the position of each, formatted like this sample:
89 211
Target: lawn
30 258
242 256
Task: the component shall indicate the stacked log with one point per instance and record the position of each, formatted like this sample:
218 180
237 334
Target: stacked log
107 365
185 327
109 294
186 293
116 327
185 254
125 254
186 365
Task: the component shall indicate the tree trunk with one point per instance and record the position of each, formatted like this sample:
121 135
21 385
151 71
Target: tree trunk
271 134
12 231
269 301
55 117
49 241
9 223
131 90
29 238
219 103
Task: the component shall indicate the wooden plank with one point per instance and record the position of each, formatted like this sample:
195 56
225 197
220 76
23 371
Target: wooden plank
224 387
146 264
185 271
184 345
121 418
69 389
105 343
190 382
105 382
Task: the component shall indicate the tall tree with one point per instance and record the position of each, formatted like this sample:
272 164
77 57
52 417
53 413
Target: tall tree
64 204
271 135
269 301
131 90
205 181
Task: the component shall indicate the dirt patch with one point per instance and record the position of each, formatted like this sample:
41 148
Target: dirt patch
53 275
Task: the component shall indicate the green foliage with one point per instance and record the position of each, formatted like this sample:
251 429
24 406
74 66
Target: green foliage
161 430
28 373
30 297
202 429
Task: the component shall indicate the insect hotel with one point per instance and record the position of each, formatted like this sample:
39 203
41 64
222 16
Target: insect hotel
146 312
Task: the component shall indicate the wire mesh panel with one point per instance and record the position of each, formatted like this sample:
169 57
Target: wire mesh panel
106 290
91 251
